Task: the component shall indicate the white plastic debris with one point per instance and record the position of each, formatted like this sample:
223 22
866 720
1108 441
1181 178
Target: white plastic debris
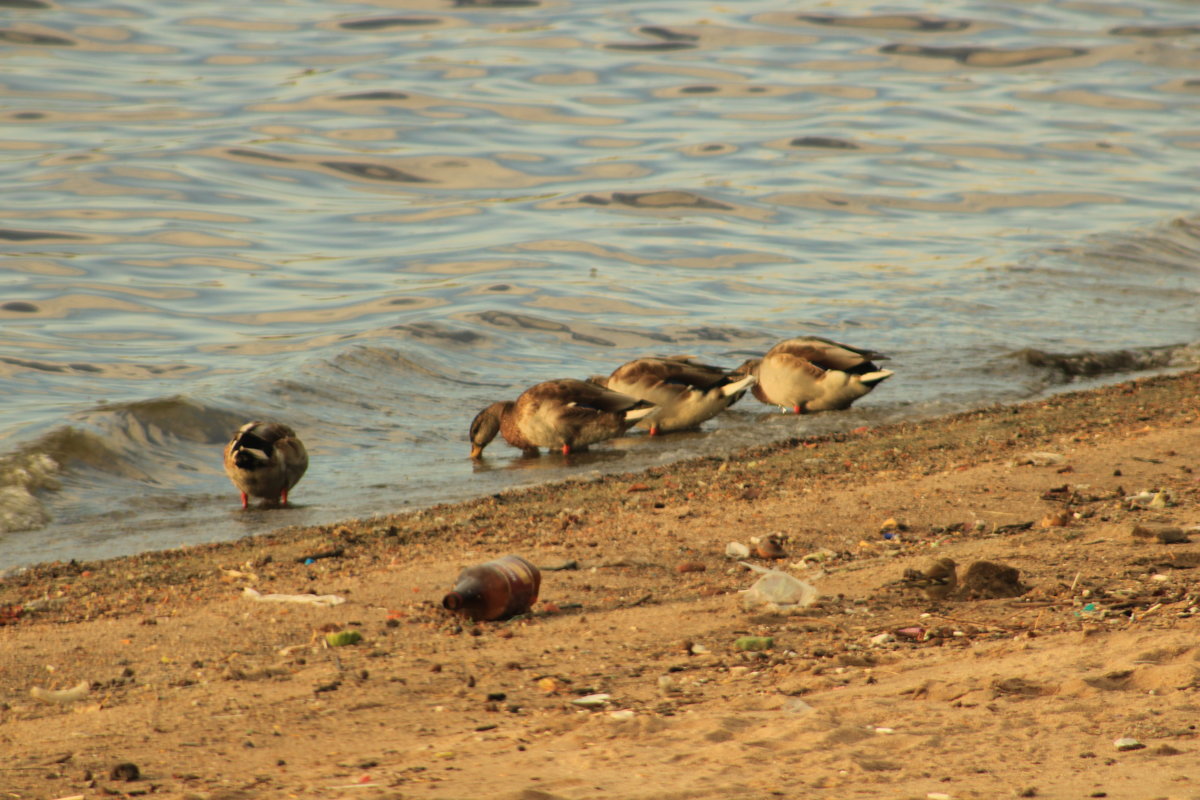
778 591
794 705
592 700
1150 499
61 696
304 599
737 550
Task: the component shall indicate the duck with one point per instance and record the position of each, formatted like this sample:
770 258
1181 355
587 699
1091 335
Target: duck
688 392
810 373
565 414
265 459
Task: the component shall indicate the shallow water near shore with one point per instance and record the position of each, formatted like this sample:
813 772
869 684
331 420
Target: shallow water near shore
370 220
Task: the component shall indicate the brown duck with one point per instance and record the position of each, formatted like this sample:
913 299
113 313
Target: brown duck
813 374
687 391
265 459
565 414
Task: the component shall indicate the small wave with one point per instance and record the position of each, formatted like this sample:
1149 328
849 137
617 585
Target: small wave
155 418
150 442
1172 249
36 468
1090 364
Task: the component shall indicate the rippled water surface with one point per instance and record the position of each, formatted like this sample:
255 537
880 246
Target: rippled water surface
372 219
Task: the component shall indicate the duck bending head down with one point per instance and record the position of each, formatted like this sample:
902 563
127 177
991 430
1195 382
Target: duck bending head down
564 414
809 374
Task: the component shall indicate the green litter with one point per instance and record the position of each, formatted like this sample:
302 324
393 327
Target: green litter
754 643
342 638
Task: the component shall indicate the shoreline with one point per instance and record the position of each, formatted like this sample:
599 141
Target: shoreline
169 645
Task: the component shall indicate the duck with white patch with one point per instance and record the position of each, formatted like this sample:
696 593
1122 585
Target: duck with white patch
688 391
265 459
809 373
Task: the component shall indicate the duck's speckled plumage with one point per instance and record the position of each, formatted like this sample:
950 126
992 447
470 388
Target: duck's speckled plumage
265 459
809 373
565 414
687 391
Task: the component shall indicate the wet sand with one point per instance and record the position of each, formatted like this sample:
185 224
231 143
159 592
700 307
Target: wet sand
1005 688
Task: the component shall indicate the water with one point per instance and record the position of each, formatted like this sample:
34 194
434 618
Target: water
372 219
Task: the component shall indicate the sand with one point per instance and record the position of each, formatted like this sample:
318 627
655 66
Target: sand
1071 670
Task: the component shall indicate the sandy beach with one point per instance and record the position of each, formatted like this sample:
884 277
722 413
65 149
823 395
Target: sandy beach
1068 666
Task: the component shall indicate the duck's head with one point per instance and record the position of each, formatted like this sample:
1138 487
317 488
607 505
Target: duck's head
485 426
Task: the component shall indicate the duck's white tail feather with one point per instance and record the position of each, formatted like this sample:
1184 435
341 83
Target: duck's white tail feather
872 378
745 383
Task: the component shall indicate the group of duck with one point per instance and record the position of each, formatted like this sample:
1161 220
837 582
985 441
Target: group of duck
660 394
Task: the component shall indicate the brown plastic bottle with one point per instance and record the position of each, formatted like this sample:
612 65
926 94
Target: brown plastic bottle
496 590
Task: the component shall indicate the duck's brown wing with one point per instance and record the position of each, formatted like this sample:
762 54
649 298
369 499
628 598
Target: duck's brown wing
295 459
573 414
570 393
828 354
661 379
697 374
794 364
269 432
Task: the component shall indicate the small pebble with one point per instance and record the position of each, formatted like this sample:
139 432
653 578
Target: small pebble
1055 519
1128 743
769 548
125 772
1039 459
754 643
1166 534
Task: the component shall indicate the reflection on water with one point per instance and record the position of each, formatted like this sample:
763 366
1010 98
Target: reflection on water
372 218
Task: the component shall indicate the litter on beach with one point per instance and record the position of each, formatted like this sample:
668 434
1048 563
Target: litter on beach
303 599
